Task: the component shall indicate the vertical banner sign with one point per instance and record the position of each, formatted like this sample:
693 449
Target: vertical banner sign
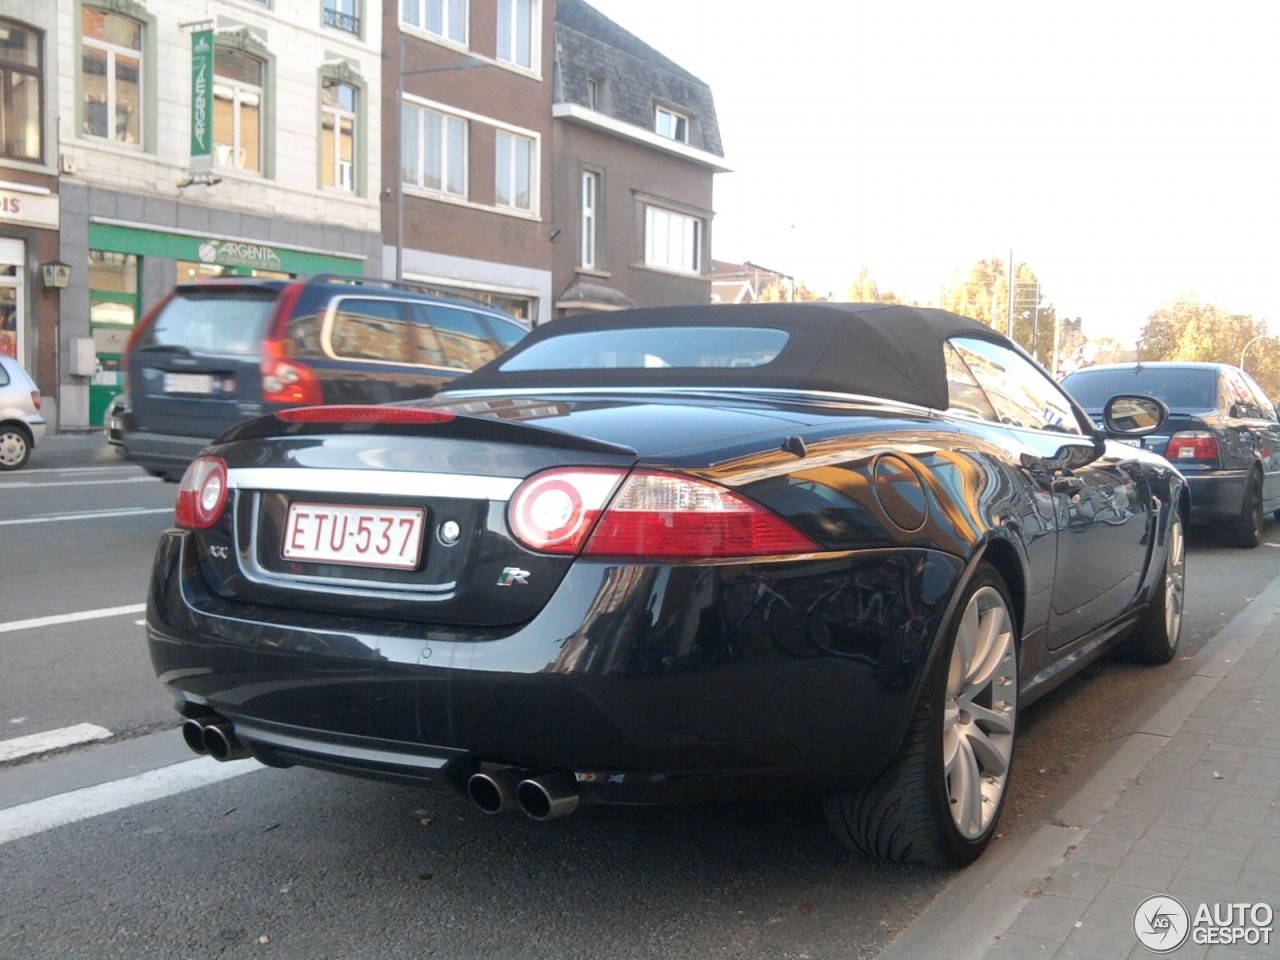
202 101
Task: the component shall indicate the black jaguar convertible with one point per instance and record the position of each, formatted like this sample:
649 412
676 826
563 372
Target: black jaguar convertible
677 554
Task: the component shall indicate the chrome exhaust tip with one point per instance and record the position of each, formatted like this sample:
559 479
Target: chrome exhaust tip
221 743
494 791
193 735
549 796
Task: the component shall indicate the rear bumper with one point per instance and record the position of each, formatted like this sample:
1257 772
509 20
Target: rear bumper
621 680
159 452
1218 494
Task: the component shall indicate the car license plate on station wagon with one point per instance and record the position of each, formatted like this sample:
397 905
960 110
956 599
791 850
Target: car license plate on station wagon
188 383
361 536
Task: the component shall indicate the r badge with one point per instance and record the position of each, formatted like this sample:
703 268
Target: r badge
513 575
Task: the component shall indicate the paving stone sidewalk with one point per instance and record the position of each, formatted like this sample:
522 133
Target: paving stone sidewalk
1186 807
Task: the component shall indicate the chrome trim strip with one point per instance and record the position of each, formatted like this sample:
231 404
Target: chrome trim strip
255 572
390 483
336 751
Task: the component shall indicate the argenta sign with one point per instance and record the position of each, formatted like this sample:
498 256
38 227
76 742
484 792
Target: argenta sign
201 102
236 253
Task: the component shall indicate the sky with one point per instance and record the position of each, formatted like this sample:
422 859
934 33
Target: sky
1127 150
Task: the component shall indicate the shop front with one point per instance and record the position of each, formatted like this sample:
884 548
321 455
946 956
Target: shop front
129 265
28 238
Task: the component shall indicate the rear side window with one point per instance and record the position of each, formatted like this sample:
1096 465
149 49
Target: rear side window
371 329
212 321
463 338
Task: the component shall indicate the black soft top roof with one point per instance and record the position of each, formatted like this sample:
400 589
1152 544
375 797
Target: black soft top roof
872 349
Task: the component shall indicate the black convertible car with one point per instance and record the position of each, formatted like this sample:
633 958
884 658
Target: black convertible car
677 554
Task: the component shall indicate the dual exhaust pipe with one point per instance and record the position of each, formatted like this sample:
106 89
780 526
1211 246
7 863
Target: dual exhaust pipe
538 797
497 790
213 737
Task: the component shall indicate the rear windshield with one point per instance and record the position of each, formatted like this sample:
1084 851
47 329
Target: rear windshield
652 348
1179 388
212 321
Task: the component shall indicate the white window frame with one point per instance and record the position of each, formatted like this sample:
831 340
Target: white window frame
455 18
590 210
672 240
671 124
509 143
113 50
515 16
343 170
452 127
333 12
240 90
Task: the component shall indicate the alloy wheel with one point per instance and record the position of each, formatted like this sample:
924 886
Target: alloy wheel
980 712
1175 580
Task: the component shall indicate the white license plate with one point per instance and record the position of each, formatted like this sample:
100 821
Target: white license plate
188 383
388 537
1129 443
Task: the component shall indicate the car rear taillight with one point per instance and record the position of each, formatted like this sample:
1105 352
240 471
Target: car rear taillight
654 516
35 399
555 511
1192 445
351 413
285 380
202 494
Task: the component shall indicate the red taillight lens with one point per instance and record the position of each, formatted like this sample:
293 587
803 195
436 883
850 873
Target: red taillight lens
35 399
668 517
654 516
339 413
554 511
202 495
1192 445
285 380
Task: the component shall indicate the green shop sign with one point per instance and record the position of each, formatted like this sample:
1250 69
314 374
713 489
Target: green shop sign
201 101
218 251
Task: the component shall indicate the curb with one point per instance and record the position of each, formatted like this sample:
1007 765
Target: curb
979 906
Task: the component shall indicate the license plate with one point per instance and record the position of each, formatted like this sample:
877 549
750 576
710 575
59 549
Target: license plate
188 383
1129 443
388 537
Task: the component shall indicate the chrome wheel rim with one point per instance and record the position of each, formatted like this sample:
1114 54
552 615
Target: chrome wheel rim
980 713
1174 582
13 447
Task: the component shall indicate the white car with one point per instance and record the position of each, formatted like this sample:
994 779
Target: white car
21 424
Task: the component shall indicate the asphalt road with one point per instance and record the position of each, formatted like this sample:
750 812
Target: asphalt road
296 863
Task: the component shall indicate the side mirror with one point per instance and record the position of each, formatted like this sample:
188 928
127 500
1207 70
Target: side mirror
1129 415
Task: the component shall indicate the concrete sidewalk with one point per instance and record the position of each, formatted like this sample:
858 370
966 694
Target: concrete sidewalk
78 448
1184 806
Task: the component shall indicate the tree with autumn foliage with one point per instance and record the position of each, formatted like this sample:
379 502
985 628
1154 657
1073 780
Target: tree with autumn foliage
984 296
864 289
783 290
1189 330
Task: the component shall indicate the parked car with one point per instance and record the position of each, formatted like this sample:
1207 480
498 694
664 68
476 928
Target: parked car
217 352
22 426
1223 435
113 419
672 554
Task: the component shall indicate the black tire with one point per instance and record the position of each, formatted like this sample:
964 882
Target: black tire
1249 524
911 814
1156 638
15 447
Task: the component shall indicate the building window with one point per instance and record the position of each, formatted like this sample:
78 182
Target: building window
338 135
514 164
590 209
237 109
343 15
593 92
672 125
111 67
20 94
433 150
443 18
515 32
672 241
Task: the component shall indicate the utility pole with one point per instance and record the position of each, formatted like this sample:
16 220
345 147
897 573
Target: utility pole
1011 288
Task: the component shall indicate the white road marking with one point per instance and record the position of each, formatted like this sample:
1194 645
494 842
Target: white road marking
77 483
14 625
90 515
51 740
38 816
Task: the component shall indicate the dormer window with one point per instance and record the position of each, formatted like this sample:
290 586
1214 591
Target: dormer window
672 125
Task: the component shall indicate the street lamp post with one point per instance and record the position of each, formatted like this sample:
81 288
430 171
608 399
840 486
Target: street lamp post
466 63
1261 336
